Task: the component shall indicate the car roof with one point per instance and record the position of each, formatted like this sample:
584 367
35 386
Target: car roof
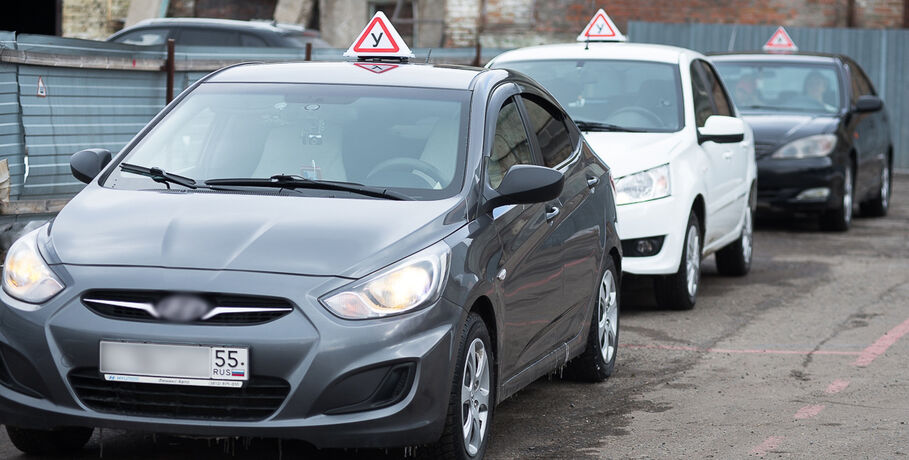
599 50
269 26
802 57
354 73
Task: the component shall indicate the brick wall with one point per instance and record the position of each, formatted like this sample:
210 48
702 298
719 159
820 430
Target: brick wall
93 19
222 9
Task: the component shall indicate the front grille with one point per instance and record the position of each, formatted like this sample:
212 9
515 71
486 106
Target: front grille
227 309
258 399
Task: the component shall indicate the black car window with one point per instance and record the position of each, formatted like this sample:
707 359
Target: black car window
701 94
721 105
207 37
144 37
861 85
548 125
252 40
510 146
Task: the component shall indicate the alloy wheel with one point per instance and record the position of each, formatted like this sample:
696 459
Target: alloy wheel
847 195
885 186
693 260
747 241
608 316
475 385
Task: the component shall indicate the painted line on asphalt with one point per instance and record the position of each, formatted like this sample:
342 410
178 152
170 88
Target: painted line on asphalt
809 411
837 386
769 444
746 351
882 344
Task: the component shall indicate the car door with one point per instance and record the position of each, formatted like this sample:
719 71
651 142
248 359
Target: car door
580 224
870 134
530 271
728 161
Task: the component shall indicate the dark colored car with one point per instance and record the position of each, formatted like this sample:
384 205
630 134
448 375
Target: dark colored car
218 32
822 137
353 254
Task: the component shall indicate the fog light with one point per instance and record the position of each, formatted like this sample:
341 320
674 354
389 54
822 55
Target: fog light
642 247
813 194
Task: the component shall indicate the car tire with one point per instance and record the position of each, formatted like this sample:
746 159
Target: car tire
878 206
45 442
840 218
475 352
735 258
679 291
597 362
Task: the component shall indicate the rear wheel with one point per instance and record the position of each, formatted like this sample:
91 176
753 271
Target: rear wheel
878 206
679 291
735 259
597 361
472 400
44 442
840 218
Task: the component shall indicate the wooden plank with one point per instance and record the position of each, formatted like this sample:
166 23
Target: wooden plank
111 63
33 206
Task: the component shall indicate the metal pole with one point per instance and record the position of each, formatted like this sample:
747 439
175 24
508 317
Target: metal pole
169 68
308 52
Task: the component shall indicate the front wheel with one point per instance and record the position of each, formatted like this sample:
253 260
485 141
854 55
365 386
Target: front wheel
473 397
735 258
840 218
679 291
878 206
49 442
597 361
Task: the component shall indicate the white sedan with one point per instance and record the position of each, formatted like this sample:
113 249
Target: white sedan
682 157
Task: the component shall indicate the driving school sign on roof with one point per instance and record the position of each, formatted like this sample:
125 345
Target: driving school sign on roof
379 39
780 41
601 29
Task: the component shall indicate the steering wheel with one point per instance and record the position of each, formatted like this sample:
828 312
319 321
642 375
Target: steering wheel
409 165
640 111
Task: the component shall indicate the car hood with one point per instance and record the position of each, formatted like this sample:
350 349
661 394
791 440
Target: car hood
771 130
628 153
220 231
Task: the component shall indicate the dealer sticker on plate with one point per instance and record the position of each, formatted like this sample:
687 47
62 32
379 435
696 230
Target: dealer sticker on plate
212 366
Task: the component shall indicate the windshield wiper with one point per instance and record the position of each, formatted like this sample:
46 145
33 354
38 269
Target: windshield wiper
294 182
159 175
597 126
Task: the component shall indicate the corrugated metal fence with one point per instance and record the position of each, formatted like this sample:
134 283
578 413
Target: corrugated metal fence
884 54
98 94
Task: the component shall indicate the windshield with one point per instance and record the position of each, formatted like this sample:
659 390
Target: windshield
785 87
640 96
410 140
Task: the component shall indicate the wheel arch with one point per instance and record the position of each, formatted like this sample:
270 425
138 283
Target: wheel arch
699 208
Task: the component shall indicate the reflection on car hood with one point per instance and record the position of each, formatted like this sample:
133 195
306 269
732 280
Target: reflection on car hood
771 130
220 231
628 153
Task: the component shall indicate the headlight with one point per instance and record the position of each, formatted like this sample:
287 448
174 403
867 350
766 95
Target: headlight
643 186
26 275
819 145
412 283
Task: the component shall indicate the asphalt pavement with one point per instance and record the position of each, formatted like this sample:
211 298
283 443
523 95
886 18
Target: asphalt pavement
803 358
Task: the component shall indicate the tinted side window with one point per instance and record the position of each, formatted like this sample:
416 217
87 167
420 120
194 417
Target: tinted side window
509 146
861 86
208 37
252 40
701 93
548 125
721 104
143 37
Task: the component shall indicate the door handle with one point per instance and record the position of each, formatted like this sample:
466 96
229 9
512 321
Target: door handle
551 213
592 182
727 154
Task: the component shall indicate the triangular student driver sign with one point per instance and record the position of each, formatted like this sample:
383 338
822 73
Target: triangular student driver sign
379 39
601 29
780 41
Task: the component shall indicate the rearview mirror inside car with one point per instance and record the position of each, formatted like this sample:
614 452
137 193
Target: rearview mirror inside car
526 184
722 130
868 103
86 164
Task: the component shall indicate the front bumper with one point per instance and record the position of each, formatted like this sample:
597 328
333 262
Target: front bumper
654 218
310 349
782 185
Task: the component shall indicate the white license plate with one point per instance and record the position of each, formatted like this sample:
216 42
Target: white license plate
174 364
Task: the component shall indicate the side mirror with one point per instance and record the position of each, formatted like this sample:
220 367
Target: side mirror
722 130
526 184
868 103
86 164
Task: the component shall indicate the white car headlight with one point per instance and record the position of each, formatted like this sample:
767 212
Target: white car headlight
819 145
643 186
412 283
26 275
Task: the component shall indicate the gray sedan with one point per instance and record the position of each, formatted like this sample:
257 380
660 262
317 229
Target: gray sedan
367 254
